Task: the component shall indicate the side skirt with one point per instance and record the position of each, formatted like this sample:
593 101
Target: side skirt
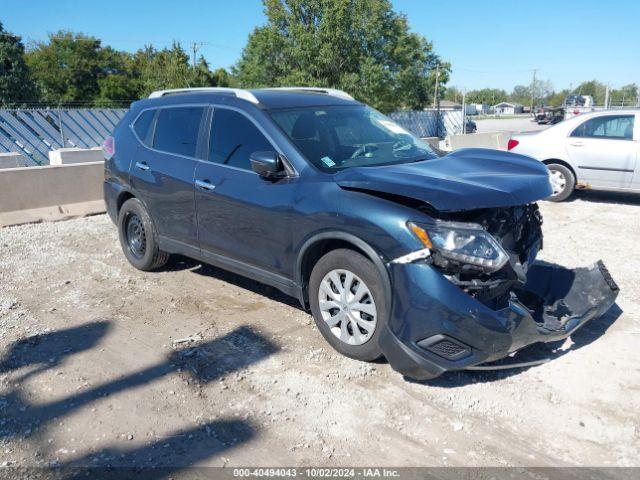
284 284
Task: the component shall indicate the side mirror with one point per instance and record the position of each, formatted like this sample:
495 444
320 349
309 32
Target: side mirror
267 164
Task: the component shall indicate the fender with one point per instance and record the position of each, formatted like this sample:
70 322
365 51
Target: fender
370 252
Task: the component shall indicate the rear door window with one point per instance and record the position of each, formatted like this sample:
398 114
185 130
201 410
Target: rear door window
143 123
177 130
612 127
234 138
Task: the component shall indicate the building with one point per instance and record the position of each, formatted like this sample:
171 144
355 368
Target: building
482 108
506 108
448 105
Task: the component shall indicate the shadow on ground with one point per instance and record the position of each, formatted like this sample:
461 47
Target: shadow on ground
596 196
589 333
184 263
203 362
48 350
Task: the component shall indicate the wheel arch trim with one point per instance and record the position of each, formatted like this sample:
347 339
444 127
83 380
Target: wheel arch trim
357 242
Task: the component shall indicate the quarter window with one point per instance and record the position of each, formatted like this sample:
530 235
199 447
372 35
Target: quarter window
177 130
613 127
234 138
143 123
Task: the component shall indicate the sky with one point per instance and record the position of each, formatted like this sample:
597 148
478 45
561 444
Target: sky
495 43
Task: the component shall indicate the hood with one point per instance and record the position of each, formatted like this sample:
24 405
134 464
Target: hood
466 179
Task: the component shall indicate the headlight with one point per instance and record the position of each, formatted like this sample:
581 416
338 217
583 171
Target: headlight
462 242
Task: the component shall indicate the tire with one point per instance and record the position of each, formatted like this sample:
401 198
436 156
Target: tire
566 182
368 313
138 237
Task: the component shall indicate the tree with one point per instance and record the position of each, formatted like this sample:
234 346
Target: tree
453 94
625 96
361 46
521 94
490 96
16 84
119 79
166 68
557 98
594 88
67 68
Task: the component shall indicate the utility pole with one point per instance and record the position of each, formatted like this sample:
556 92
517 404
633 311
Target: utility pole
533 87
195 46
435 92
464 110
606 97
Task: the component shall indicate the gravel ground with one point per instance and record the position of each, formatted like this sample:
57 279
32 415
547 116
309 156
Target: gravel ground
101 364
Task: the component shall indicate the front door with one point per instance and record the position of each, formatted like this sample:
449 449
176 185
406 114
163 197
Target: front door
241 215
604 151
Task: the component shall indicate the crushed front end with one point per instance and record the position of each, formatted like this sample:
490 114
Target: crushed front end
476 293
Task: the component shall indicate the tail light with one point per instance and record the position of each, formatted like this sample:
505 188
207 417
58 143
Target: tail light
109 148
511 144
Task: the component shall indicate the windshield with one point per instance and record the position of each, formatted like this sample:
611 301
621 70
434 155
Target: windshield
337 137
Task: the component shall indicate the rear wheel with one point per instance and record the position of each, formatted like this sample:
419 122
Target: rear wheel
563 182
138 237
348 304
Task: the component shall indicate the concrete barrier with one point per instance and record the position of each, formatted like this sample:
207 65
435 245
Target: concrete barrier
65 156
13 160
497 140
51 192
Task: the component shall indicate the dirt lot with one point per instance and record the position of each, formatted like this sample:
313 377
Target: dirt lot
103 365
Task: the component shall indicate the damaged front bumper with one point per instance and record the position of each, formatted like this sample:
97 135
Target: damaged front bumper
435 326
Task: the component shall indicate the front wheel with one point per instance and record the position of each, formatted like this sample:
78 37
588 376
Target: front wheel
563 182
348 303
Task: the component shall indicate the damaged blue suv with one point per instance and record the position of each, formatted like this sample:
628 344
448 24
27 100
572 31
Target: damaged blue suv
427 260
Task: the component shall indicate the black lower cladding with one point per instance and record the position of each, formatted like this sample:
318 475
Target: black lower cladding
560 298
519 231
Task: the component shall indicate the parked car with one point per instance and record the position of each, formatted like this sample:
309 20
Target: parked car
428 261
470 126
599 150
549 115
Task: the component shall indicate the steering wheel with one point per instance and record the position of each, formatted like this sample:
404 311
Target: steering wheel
362 149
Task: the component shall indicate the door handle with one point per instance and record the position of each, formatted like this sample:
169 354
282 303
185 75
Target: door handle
142 166
576 144
204 184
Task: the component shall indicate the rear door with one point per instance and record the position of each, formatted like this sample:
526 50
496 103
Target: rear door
162 173
242 216
604 151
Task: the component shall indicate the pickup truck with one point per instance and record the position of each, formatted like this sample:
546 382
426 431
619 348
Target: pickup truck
576 104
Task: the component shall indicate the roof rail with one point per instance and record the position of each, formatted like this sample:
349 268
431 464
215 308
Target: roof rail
238 92
329 91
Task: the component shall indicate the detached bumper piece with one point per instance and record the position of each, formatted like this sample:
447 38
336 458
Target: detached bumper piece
562 300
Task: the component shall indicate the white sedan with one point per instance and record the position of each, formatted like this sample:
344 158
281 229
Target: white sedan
599 150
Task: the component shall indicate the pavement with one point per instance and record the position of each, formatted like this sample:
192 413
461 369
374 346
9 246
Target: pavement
103 365
508 124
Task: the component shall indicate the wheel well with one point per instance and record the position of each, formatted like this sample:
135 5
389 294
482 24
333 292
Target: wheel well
563 163
124 196
317 251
